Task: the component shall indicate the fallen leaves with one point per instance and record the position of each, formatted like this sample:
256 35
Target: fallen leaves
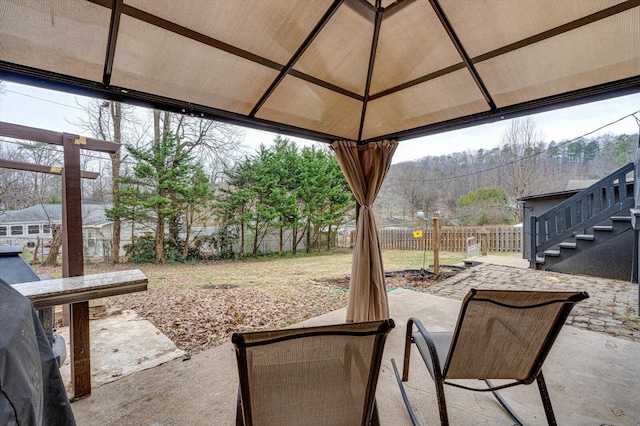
197 318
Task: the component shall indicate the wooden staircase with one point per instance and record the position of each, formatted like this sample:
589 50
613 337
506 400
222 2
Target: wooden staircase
590 218
585 241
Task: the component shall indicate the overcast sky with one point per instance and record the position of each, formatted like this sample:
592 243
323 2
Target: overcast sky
56 111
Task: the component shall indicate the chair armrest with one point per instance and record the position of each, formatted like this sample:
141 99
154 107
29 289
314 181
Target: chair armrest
432 362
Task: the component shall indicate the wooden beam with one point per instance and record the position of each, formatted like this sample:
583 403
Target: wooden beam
17 131
80 350
73 266
52 170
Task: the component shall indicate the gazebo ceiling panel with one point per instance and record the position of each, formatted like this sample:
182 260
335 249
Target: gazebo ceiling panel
162 63
513 20
324 69
274 35
441 99
301 104
404 55
342 57
56 36
586 56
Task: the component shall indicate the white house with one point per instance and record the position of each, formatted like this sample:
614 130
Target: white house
22 227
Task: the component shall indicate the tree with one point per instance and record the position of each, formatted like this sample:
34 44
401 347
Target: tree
195 203
111 121
214 144
485 206
163 174
283 191
624 150
236 204
524 172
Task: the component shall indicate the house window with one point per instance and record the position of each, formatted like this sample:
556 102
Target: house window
46 229
17 230
33 229
3 231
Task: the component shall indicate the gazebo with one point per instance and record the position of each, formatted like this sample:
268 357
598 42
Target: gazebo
361 75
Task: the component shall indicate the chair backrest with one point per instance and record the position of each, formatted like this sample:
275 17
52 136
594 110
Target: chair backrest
504 334
310 376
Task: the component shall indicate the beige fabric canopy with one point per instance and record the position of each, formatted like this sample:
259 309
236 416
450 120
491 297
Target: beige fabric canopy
365 167
360 70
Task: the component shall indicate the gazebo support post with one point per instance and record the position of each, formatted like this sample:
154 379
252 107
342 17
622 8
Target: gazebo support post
635 223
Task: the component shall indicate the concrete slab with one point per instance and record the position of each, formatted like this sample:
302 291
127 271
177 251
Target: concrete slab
592 380
121 345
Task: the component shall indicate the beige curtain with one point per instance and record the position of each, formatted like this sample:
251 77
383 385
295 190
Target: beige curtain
365 167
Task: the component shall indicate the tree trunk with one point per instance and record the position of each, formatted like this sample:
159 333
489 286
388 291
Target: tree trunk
159 237
159 240
116 112
294 240
35 251
185 248
241 240
255 240
52 258
281 245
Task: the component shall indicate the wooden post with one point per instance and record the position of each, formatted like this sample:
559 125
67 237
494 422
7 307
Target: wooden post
484 242
436 246
73 265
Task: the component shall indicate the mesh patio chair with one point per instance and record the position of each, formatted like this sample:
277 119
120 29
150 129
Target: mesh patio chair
499 335
310 376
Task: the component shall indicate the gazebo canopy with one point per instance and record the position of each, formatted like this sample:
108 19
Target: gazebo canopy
359 70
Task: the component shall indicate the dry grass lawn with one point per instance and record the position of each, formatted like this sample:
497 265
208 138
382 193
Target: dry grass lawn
200 305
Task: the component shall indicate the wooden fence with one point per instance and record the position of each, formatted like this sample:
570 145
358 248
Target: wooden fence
454 238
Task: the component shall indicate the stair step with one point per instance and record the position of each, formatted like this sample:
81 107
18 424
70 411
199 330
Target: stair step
567 245
585 237
621 218
606 228
539 259
552 253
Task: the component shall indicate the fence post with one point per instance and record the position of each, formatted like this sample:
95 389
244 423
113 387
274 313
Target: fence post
484 242
436 246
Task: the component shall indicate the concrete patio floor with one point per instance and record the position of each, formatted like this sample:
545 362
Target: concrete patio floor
593 379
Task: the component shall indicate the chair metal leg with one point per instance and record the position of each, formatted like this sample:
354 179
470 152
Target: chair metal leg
407 350
442 403
375 418
504 404
405 397
239 414
546 402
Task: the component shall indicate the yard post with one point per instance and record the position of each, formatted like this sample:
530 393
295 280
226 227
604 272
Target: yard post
436 245
73 264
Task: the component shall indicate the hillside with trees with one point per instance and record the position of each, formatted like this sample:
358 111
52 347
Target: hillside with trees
522 164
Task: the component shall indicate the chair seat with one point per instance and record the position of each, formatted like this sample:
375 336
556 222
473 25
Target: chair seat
442 341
